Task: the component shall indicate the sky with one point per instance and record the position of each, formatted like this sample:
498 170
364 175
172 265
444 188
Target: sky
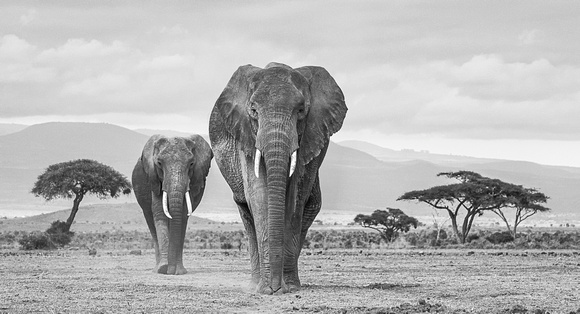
496 79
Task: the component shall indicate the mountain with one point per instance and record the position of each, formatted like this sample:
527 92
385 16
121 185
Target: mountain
25 154
390 155
352 180
41 145
168 133
7 128
559 183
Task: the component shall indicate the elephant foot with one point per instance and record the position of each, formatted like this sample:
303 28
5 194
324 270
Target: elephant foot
293 283
162 268
180 270
266 289
167 269
162 265
174 270
294 287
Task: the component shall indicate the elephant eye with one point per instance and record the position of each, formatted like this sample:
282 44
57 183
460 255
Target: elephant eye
253 112
301 112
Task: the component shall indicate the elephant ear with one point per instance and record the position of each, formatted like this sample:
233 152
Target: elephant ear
231 106
327 112
150 151
202 161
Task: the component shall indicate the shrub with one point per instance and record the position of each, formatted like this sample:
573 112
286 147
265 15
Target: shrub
37 241
500 237
57 227
472 237
53 237
60 239
59 234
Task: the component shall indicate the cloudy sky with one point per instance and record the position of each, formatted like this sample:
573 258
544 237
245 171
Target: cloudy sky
481 78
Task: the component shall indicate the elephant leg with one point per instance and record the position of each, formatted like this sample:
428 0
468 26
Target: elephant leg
311 210
301 223
162 230
151 224
145 203
248 221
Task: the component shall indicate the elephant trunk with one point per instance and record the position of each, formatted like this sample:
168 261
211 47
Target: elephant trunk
175 204
175 190
279 148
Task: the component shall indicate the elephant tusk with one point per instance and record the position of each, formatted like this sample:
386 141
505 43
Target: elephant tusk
292 163
257 160
188 202
164 201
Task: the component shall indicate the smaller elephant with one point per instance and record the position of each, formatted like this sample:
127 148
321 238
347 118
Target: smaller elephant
169 181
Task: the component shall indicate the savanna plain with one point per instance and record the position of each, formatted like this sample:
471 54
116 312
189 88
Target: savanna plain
118 276
334 281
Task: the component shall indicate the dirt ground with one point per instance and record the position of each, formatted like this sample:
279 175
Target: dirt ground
349 281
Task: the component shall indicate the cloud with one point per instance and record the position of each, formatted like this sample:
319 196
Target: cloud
80 48
82 77
529 37
490 77
30 16
464 70
484 97
16 62
175 30
14 48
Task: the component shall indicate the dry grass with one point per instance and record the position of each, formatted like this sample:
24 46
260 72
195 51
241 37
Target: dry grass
348 281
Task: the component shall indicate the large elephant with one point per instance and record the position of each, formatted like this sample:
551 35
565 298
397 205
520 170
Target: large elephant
169 181
269 131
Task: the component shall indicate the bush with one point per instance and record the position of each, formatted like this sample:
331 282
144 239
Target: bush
58 227
52 238
37 241
500 237
60 239
58 234
472 237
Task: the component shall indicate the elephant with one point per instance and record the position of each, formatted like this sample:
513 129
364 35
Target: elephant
168 182
270 129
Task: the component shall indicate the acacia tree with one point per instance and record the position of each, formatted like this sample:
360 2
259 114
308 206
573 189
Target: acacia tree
74 179
474 194
525 201
387 222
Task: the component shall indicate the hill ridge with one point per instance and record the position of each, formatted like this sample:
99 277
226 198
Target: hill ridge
351 180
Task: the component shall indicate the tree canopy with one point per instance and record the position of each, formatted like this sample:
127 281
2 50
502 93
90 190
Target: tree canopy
387 222
525 202
476 194
76 179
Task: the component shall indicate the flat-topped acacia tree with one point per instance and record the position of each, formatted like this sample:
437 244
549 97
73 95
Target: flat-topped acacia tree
74 179
476 194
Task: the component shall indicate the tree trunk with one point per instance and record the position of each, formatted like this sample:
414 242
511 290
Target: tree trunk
74 210
455 229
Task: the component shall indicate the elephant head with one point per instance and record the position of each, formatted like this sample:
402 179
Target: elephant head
280 119
169 181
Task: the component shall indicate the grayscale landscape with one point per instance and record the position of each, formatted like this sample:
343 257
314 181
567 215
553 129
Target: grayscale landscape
419 108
